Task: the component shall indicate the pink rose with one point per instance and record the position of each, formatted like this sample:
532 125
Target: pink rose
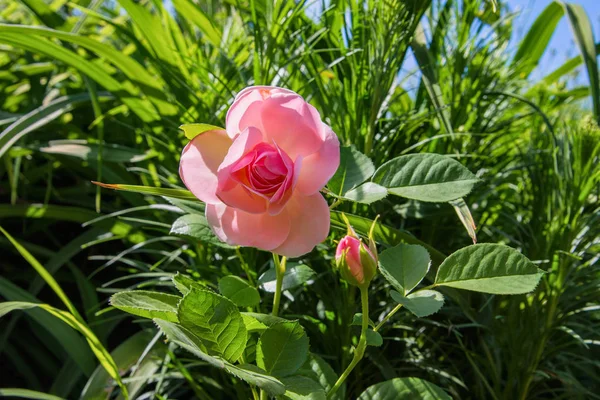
260 178
355 261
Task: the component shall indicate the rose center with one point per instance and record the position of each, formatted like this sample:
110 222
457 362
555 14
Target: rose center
265 170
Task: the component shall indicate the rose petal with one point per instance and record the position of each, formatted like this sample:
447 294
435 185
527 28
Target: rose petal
242 198
199 163
279 200
288 121
237 227
241 145
319 167
245 110
246 106
309 224
229 189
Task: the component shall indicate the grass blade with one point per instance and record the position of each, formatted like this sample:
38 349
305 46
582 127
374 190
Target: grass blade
41 116
584 37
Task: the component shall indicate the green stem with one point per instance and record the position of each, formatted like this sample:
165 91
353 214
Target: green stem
245 266
387 317
359 352
336 203
279 273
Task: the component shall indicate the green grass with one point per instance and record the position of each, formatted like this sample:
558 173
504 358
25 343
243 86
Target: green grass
96 91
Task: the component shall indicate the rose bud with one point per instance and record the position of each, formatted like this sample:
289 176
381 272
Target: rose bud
355 261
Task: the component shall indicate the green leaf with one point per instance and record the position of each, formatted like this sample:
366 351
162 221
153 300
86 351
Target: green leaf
196 226
295 275
489 268
366 193
253 324
239 291
216 321
584 37
404 266
302 388
266 319
282 349
9 306
426 177
193 130
186 339
27 394
256 376
320 371
249 373
421 303
188 206
404 388
354 169
184 283
374 338
534 44
147 304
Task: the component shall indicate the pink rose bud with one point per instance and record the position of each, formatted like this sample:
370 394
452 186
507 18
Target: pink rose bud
355 261
260 177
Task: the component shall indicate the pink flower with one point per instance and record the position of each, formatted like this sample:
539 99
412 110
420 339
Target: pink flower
260 178
355 261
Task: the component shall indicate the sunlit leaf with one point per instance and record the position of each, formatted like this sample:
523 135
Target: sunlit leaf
147 304
489 268
426 177
239 291
354 169
216 321
193 130
282 349
421 303
404 266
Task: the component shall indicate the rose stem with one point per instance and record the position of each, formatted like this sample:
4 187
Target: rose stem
359 352
279 272
387 317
